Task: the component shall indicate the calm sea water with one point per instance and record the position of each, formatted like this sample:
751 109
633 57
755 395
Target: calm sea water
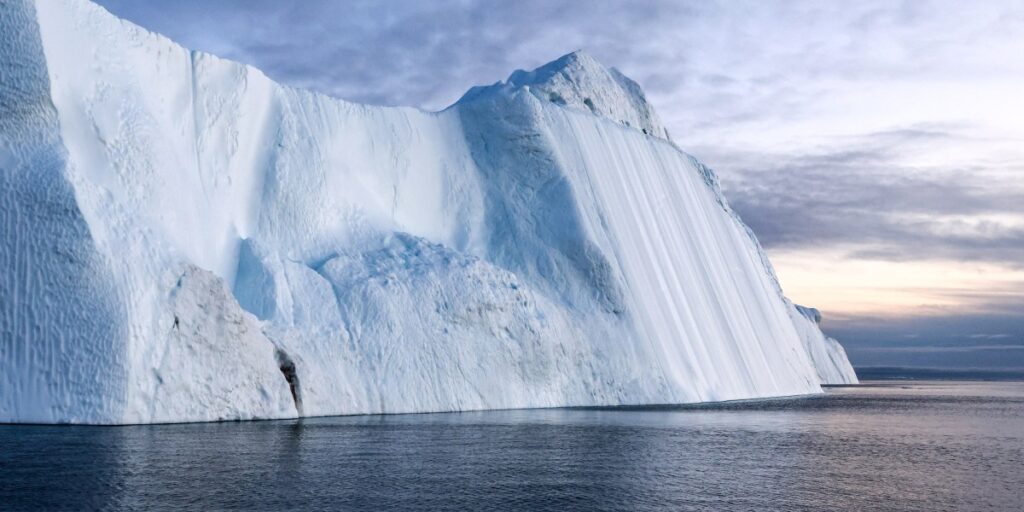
925 446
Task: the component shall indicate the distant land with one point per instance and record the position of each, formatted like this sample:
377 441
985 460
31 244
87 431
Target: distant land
898 373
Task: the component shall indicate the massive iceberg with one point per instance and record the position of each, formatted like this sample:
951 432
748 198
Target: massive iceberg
182 239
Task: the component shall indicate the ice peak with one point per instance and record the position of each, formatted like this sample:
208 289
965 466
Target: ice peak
573 64
577 80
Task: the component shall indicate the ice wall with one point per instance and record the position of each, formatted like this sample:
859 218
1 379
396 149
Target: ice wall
62 342
828 355
186 240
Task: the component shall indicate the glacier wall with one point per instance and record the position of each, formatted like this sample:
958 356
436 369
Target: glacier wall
185 240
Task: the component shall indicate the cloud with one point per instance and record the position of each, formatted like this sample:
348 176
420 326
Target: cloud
406 52
932 349
683 52
861 194
993 319
999 336
992 337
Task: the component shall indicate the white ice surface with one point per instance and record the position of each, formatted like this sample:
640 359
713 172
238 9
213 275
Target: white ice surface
578 81
828 355
182 236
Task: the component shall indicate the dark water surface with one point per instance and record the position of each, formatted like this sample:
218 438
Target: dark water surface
925 446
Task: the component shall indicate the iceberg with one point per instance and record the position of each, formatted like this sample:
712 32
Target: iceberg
182 239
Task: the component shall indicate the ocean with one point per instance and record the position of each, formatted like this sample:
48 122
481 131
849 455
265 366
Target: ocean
884 445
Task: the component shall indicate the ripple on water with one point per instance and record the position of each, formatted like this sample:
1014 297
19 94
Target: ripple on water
883 446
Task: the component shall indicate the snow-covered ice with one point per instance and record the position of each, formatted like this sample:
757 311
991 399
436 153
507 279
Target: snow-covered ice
183 239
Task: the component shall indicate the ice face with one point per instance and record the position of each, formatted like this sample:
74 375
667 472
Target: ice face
185 240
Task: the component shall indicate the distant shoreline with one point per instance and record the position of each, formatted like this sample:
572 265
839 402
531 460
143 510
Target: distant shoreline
904 373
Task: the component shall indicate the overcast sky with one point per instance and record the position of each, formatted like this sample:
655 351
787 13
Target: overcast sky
876 148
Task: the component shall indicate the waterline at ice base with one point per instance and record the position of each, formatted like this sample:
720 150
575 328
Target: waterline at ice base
182 239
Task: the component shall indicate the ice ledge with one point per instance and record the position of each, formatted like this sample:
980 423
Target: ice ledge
579 81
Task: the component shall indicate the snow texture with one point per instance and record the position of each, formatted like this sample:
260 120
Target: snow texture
182 239
578 81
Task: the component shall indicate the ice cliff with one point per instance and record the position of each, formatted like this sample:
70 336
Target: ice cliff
182 239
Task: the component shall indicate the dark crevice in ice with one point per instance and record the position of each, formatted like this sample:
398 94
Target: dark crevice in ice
287 367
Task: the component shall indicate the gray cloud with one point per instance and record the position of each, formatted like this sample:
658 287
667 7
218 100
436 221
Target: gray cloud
931 349
989 334
859 194
404 53
683 52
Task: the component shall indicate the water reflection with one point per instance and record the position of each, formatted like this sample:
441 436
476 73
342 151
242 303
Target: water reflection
926 446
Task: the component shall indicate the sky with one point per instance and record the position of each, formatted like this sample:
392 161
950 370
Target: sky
876 148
